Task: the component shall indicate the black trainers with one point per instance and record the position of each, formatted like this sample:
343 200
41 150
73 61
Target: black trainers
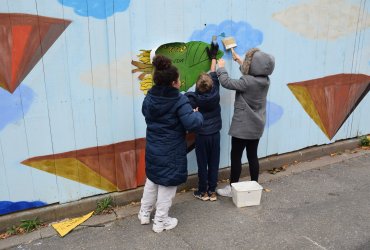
200 195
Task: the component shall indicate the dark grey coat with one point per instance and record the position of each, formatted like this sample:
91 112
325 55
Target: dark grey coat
250 97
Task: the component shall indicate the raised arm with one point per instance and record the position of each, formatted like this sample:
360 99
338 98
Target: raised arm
236 57
226 81
213 65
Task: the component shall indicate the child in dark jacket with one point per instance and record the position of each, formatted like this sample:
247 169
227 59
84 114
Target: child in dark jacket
207 143
168 115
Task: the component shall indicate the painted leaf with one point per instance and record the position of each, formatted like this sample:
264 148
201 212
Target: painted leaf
190 58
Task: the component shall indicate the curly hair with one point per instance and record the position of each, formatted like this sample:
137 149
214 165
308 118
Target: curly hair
204 83
164 71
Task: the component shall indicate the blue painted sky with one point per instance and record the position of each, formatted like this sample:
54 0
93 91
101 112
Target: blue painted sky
245 35
7 207
100 9
11 105
274 113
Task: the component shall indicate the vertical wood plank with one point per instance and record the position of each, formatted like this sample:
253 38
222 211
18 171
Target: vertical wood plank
123 121
101 97
58 93
4 190
81 88
15 144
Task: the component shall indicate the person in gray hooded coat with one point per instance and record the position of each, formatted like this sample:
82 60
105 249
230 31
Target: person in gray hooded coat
249 110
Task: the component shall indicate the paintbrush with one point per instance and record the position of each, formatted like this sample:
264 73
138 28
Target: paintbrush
229 43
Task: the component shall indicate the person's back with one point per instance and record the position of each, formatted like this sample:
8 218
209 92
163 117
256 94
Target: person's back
250 96
165 137
168 115
207 142
249 116
207 98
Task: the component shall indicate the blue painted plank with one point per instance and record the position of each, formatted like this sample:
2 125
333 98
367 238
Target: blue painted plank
4 190
78 55
119 37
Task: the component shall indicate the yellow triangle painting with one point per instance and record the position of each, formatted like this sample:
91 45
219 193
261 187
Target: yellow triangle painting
72 169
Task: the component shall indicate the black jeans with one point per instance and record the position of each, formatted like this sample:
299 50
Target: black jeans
207 149
237 148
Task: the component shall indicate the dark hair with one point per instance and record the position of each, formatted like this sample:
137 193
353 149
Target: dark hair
164 71
204 83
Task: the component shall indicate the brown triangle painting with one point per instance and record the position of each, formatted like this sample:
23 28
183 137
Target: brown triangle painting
118 166
24 39
330 100
113 167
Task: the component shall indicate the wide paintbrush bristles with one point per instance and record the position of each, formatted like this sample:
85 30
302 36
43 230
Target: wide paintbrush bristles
229 42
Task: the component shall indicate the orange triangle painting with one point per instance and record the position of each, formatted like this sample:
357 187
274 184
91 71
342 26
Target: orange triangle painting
330 100
24 39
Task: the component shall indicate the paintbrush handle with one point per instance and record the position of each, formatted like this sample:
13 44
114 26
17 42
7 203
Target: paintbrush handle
236 57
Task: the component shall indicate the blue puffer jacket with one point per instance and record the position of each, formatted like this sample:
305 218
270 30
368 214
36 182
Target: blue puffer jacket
168 115
209 106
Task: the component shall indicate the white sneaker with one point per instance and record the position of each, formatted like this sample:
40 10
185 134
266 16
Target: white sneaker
226 191
144 217
167 224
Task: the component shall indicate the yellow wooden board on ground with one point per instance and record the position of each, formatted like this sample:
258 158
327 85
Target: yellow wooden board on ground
65 227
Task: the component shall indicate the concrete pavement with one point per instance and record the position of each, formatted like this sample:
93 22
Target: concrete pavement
320 204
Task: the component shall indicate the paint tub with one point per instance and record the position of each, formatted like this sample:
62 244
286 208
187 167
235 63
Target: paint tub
246 193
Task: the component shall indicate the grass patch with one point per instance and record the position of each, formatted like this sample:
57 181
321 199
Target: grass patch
30 225
26 226
364 141
12 231
104 206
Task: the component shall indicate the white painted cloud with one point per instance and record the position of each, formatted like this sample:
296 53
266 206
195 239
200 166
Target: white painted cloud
324 19
114 76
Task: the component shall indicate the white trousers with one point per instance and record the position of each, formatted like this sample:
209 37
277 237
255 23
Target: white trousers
161 195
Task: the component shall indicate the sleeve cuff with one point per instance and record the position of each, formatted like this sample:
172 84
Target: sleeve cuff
220 71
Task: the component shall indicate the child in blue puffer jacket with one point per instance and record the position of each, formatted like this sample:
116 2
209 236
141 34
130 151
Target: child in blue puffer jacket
168 115
207 142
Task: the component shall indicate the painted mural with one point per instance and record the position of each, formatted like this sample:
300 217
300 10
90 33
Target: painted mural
330 100
24 40
324 19
73 75
113 167
190 58
7 207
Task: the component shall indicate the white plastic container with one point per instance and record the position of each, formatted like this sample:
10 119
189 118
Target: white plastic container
246 193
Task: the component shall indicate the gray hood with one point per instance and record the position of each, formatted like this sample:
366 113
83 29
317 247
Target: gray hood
258 63
262 64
